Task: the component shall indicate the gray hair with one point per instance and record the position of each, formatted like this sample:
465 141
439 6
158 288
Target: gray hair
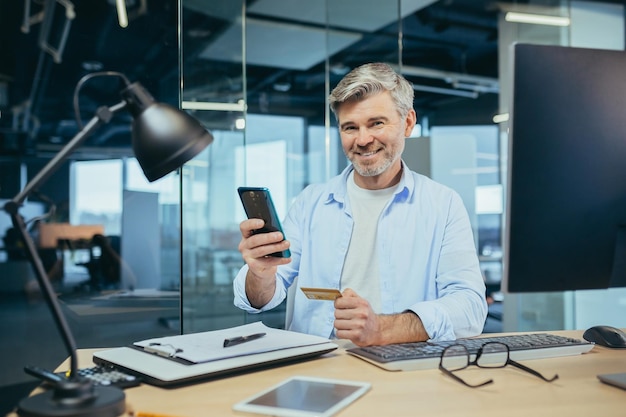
371 79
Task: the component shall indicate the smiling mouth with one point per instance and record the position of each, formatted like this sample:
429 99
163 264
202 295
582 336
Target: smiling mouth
367 154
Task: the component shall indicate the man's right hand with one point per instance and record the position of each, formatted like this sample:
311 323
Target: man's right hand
256 250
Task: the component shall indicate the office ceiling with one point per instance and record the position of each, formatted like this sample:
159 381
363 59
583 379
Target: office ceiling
449 53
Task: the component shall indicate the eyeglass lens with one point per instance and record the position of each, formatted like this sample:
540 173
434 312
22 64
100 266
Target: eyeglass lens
490 355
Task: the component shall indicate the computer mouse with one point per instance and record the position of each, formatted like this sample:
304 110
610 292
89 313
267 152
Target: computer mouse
608 336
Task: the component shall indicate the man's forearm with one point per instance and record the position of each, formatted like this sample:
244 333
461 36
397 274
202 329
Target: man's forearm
401 328
259 290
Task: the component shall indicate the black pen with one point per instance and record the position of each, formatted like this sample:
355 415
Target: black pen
232 341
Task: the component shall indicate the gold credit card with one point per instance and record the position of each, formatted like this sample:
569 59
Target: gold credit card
321 293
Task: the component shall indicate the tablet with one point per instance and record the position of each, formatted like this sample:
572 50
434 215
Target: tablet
618 380
301 396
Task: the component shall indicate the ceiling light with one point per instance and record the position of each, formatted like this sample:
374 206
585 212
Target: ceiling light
122 16
339 69
92 65
282 87
213 106
537 19
501 118
448 91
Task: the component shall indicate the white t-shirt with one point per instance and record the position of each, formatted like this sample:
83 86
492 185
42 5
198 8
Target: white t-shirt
360 270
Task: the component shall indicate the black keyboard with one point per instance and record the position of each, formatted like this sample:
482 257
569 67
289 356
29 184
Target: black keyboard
425 355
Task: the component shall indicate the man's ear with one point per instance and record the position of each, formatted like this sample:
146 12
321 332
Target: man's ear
410 120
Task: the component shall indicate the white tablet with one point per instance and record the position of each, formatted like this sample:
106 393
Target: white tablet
618 380
301 396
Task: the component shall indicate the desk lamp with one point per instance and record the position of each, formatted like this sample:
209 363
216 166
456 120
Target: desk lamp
164 138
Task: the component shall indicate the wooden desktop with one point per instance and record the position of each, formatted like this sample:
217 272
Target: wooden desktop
577 392
50 233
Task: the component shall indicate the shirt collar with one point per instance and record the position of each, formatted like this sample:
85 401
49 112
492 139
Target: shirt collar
338 188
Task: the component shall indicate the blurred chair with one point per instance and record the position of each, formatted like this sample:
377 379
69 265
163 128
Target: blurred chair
105 264
291 295
109 263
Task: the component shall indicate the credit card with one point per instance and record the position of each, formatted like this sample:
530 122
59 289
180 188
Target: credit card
321 293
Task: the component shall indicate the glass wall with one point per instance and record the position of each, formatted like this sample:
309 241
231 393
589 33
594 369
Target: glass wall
467 159
257 74
271 129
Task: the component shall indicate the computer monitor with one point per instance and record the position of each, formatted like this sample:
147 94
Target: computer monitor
565 224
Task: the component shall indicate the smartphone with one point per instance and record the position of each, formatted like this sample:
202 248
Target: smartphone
258 204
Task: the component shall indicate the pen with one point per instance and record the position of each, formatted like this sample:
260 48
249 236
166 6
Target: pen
232 341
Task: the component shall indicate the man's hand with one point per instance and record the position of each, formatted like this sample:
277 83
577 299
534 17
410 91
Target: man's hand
355 320
255 250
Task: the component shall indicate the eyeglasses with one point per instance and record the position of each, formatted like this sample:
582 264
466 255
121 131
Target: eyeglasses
490 355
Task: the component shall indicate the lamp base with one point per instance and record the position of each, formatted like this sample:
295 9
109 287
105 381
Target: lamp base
101 401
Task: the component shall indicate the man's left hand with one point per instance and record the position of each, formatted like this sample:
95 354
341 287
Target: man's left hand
355 320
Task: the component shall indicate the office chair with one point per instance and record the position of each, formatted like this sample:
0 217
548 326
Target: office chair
291 295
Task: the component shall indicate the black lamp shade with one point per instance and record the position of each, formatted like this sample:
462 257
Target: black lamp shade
164 137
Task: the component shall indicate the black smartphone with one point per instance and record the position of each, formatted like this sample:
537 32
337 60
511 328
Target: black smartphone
258 204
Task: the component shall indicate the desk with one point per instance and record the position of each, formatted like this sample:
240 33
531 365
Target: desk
119 306
577 392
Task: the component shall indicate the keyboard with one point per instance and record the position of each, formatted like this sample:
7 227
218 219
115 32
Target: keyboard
98 375
108 375
426 355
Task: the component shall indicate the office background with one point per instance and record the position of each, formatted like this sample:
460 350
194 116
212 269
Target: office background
257 74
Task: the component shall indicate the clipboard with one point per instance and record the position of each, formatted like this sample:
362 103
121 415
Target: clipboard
200 347
165 370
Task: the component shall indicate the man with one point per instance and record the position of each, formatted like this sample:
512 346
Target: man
398 245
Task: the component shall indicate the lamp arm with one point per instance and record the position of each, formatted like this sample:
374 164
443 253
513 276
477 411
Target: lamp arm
47 291
103 115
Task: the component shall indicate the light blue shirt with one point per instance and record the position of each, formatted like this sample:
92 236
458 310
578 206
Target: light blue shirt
427 257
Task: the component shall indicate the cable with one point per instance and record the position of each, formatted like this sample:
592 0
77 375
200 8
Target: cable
86 78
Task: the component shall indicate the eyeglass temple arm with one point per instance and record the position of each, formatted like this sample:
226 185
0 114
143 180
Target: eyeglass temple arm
532 371
459 379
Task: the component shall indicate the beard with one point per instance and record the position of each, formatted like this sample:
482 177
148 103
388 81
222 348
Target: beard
385 159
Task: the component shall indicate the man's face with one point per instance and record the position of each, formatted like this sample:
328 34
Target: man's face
372 135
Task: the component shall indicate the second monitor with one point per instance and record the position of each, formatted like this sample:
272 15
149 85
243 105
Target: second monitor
566 211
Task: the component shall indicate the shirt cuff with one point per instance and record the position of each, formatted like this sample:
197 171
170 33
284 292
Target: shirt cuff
435 320
241 299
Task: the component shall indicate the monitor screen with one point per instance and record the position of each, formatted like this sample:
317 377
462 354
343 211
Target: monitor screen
566 201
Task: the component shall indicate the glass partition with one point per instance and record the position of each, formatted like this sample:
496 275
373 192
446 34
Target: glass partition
213 90
258 74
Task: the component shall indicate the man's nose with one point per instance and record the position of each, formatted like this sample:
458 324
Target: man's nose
364 136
